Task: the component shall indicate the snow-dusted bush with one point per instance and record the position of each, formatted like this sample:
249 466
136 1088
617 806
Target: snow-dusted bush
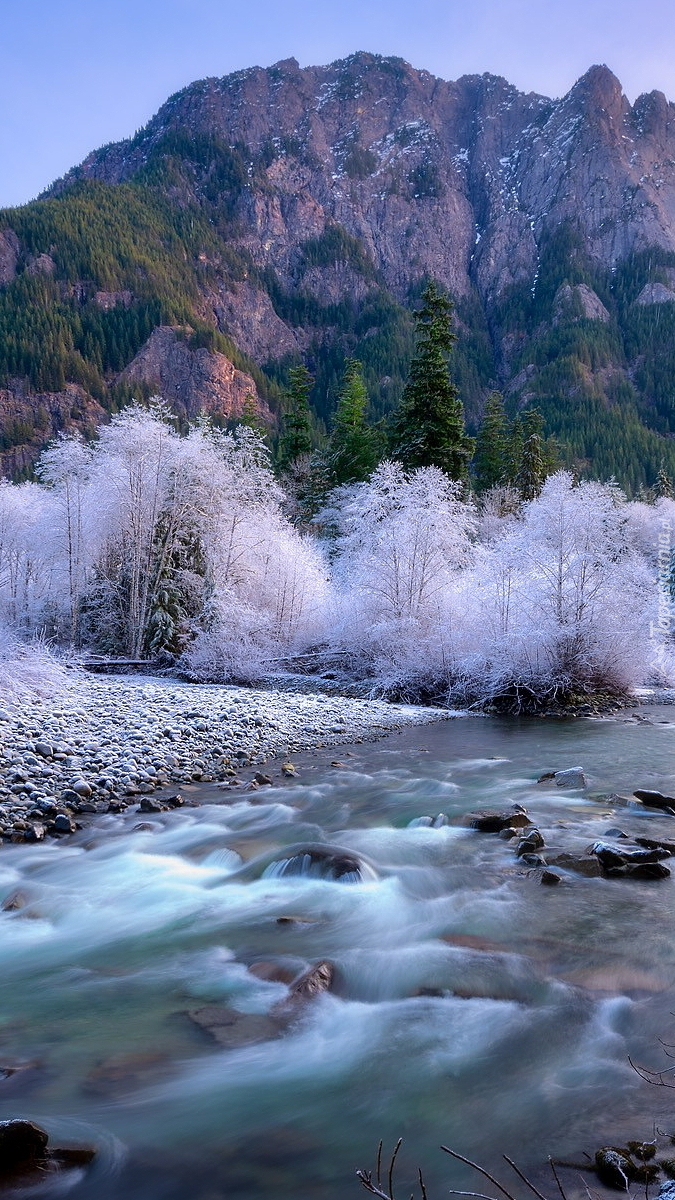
28 670
402 537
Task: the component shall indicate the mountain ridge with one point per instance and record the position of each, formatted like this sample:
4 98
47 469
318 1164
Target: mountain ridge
304 207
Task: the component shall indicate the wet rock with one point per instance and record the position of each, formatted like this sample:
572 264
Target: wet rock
491 820
570 777
289 770
61 824
175 801
123 1073
532 842
232 1029
15 902
22 1143
262 780
272 972
656 800
317 863
655 844
550 878
533 860
82 788
614 1168
437 822
641 1150
314 981
149 805
507 834
616 833
581 864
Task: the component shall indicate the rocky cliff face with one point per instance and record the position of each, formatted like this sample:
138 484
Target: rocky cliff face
303 208
192 381
455 180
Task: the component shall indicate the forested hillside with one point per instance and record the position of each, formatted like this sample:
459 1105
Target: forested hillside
286 216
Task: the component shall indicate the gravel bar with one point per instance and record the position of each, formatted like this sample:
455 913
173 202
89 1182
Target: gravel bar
104 744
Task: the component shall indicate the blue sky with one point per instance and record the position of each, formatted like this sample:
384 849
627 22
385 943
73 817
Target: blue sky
75 74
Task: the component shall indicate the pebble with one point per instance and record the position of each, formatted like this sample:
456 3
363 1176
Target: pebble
105 741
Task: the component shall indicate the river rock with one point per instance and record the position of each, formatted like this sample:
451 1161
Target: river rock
313 982
21 1143
582 864
531 842
656 800
569 777
232 1029
318 863
492 820
550 878
614 1168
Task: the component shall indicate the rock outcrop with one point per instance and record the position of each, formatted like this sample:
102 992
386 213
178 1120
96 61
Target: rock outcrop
458 180
190 380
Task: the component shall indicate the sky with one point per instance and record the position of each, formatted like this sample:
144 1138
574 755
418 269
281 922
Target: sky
75 74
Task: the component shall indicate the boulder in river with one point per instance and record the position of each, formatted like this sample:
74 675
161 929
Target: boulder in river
314 981
321 862
530 843
25 1154
614 1167
493 820
581 864
232 1029
569 777
656 800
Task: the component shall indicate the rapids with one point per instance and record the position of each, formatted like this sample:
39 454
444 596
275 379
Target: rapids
472 1006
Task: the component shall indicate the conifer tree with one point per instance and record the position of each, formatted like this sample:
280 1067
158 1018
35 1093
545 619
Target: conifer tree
663 485
296 438
532 469
428 429
492 445
354 446
250 416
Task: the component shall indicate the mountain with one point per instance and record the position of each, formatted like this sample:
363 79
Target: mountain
287 212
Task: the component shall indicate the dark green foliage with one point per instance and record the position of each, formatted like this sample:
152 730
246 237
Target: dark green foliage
492 462
532 468
360 163
336 245
296 438
354 448
428 427
425 181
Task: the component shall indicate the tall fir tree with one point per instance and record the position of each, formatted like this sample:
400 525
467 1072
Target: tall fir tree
491 460
355 447
532 469
663 487
428 428
296 438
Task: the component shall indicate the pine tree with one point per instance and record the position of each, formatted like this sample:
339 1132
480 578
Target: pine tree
491 460
532 470
663 485
250 416
296 439
428 429
354 446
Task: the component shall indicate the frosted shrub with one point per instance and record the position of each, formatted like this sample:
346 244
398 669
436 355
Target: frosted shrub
28 671
564 599
402 537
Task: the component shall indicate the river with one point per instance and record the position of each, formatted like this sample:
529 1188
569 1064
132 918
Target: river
472 1006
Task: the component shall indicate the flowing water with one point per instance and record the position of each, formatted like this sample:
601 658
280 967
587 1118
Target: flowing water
472 1006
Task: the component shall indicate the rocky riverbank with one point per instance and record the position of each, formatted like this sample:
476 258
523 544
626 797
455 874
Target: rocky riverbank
104 744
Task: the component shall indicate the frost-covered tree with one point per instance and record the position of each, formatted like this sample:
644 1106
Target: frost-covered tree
401 537
66 468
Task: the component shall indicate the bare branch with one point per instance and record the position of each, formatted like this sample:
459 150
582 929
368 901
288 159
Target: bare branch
481 1171
524 1178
